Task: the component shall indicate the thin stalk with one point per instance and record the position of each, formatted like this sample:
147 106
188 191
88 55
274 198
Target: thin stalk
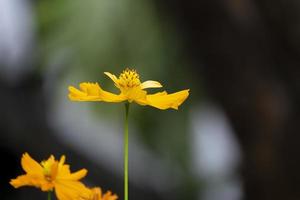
49 195
126 152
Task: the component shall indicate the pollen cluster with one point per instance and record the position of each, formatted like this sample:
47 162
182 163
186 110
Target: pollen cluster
129 79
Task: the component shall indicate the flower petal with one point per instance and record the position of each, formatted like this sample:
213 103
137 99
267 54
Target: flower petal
77 175
150 84
28 180
113 78
93 92
110 97
70 190
109 196
87 92
134 94
91 89
163 100
30 166
96 193
47 186
62 160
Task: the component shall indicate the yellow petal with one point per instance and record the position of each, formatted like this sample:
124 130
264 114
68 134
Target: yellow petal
88 92
109 196
91 89
150 84
77 175
163 101
93 92
64 172
47 186
30 166
54 170
113 78
62 160
96 193
70 190
134 94
110 97
28 180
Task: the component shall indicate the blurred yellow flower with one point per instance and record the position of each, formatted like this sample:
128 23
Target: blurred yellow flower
131 89
51 174
96 194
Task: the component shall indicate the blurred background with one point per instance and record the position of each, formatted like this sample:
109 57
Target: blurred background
236 137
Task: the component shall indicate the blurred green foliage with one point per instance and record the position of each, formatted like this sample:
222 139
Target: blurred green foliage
109 35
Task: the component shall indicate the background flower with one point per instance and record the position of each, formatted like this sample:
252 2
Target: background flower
51 175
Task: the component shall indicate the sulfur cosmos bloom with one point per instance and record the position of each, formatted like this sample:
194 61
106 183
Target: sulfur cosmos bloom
96 194
51 175
131 90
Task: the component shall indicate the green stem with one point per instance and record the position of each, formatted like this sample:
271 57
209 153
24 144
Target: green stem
126 152
49 195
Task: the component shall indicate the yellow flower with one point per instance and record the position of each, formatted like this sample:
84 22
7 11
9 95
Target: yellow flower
51 174
96 194
131 89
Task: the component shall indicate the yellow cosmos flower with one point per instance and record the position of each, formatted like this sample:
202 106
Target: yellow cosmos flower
96 194
51 174
131 89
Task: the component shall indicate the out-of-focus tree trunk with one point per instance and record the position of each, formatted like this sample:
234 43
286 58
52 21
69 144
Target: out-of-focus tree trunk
248 53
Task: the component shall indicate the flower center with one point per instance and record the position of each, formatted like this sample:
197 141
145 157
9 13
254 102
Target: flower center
47 167
129 79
